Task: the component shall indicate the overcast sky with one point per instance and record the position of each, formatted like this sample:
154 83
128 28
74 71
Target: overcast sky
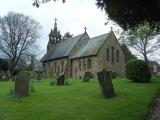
72 16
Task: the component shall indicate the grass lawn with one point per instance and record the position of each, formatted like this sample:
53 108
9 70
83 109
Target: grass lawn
78 101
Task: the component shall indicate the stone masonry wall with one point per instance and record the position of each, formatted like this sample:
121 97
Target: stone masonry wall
77 67
99 62
54 68
116 66
80 66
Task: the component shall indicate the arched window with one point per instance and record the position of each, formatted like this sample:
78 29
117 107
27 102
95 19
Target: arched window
62 63
84 64
58 69
107 54
89 63
117 55
55 65
79 64
112 54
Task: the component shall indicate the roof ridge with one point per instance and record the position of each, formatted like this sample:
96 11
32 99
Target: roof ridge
100 35
61 49
66 40
92 46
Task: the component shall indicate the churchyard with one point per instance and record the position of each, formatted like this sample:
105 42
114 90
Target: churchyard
78 100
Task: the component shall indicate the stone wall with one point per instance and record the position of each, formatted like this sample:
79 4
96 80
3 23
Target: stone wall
80 66
84 39
99 62
56 67
77 67
116 66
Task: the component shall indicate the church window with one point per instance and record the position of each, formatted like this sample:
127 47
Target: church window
112 54
75 72
107 54
55 67
58 69
62 66
89 63
79 64
117 54
52 70
84 64
43 64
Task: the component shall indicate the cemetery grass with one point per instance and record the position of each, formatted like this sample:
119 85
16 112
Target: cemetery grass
78 101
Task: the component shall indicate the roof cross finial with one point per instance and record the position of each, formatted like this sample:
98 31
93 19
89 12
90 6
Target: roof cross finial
85 29
55 19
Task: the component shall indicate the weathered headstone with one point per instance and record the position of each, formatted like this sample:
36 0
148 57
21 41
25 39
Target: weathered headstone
60 79
22 83
105 81
87 76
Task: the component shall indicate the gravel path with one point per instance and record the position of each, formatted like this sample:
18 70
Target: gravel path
155 109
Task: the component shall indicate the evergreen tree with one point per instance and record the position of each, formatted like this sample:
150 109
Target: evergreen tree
128 55
67 35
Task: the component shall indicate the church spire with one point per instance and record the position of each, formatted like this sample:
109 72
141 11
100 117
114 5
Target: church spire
54 36
55 25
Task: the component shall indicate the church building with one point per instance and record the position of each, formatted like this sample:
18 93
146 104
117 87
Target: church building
76 55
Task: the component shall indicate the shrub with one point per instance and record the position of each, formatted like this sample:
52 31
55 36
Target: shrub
138 71
4 66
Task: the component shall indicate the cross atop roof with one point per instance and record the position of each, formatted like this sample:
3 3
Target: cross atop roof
55 19
85 29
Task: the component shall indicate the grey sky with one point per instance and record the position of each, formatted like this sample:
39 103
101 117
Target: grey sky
72 16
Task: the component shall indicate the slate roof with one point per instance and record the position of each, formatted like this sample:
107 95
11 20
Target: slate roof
61 49
92 47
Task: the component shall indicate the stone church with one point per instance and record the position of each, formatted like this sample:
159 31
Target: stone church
76 55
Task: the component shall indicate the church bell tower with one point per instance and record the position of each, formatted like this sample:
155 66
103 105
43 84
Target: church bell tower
54 36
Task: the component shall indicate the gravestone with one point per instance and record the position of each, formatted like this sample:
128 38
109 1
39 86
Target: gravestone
105 81
87 76
60 79
22 83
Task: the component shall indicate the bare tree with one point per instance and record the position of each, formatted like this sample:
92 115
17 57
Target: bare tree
18 35
143 39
